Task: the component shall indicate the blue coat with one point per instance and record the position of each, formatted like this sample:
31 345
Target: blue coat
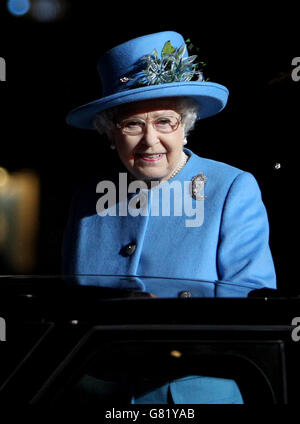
227 239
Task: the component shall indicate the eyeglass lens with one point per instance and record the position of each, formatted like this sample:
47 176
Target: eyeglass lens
163 124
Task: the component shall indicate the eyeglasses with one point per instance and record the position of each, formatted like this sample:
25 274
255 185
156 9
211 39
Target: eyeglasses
162 124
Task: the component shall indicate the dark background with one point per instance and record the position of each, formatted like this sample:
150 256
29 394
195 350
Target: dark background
51 68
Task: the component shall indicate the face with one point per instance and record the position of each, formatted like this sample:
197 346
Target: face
136 151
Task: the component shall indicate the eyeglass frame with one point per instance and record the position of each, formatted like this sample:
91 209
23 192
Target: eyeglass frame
178 119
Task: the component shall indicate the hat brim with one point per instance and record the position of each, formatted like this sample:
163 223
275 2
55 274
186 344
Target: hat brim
210 96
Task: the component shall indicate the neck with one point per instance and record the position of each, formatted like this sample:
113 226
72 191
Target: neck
181 163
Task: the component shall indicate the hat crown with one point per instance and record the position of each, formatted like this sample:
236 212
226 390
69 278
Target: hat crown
147 68
124 59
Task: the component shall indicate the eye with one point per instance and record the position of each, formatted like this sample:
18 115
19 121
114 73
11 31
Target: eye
163 122
132 123
166 123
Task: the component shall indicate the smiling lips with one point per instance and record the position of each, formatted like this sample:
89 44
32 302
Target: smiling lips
150 157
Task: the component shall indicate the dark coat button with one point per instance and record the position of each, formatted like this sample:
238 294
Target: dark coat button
185 293
130 249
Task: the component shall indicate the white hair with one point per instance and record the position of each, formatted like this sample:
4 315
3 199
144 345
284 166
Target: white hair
104 122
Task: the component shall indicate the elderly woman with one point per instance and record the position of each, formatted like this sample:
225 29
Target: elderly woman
167 212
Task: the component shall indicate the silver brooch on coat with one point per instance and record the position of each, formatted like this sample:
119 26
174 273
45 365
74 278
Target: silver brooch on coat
197 186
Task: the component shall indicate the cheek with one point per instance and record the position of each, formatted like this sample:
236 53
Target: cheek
125 149
125 155
130 156
175 144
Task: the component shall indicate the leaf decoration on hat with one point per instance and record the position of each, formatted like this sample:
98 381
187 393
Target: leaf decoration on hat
172 66
168 48
192 48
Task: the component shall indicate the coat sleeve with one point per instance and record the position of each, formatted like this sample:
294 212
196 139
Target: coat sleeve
244 255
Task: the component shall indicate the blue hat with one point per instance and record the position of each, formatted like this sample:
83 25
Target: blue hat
150 67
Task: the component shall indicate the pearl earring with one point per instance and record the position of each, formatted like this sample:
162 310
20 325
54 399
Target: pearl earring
184 141
112 146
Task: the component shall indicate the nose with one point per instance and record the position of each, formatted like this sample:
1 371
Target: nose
150 136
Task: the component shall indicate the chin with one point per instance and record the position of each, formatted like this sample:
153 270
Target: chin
148 176
152 178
